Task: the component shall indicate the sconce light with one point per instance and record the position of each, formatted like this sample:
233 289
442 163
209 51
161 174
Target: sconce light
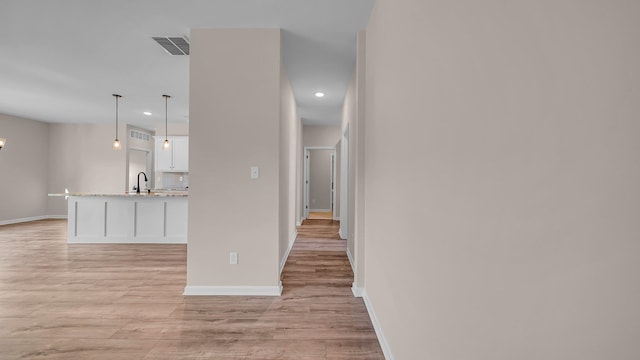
116 142
2 142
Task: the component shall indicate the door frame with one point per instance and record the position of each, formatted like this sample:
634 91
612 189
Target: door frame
344 184
305 179
149 166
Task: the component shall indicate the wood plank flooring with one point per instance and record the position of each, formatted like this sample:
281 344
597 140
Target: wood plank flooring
62 301
324 215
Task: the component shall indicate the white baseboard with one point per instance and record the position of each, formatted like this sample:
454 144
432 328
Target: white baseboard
31 218
233 290
336 218
298 223
292 240
357 291
353 268
127 240
376 326
340 234
319 210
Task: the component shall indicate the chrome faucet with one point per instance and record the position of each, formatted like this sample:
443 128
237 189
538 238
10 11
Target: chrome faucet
145 180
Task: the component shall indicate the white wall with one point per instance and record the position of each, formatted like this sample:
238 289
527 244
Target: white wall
503 161
24 169
81 159
230 68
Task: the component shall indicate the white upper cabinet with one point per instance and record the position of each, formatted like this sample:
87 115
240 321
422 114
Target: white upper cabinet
180 147
174 159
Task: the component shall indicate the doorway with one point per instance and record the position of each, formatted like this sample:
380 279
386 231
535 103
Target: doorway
138 160
319 182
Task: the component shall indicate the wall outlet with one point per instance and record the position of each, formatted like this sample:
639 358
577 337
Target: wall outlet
233 258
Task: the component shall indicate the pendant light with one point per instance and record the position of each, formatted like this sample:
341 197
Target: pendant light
166 144
116 142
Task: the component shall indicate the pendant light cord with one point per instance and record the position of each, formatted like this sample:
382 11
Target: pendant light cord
166 121
117 97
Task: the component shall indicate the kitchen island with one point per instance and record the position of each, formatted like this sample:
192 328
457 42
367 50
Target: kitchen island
159 218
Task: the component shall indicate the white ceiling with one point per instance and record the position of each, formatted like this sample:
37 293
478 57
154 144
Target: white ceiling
61 60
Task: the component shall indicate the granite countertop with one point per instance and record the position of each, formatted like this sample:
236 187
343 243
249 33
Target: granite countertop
142 194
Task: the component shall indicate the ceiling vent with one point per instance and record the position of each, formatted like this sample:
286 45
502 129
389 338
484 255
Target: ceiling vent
174 45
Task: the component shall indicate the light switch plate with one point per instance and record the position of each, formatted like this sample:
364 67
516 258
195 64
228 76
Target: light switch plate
233 258
255 172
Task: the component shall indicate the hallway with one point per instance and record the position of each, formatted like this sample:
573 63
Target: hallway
60 301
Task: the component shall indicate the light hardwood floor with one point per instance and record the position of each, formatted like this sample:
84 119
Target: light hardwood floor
60 301
316 215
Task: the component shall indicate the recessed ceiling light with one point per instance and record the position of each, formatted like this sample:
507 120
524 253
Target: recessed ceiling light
147 113
319 94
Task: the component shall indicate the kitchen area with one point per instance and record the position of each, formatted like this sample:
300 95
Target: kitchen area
154 206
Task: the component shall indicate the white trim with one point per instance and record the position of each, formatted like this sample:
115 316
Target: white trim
127 240
299 223
292 240
233 290
306 177
31 218
319 210
336 218
386 349
357 291
353 268
344 184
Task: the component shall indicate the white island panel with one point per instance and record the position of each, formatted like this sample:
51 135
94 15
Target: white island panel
127 219
120 219
177 219
89 216
150 218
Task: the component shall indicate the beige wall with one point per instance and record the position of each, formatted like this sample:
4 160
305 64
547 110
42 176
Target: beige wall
336 209
230 68
353 123
81 159
314 135
175 129
503 161
289 125
349 119
299 174
47 158
24 169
